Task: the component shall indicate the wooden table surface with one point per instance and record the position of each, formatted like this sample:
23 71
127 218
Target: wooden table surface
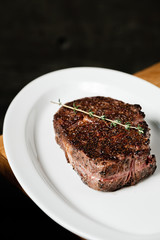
151 74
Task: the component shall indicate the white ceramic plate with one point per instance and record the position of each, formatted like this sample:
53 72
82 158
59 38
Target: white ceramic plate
41 168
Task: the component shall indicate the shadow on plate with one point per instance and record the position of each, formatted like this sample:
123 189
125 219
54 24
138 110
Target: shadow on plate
155 142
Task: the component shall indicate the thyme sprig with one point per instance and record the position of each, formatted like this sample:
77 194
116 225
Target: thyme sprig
114 123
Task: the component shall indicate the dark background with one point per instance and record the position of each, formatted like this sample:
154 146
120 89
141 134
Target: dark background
40 36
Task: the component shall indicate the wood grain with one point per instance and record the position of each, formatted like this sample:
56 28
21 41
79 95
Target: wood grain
5 168
151 74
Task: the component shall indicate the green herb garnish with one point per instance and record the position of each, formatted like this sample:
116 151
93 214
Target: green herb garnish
114 123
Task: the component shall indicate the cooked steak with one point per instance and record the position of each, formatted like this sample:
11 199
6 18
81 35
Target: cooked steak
106 157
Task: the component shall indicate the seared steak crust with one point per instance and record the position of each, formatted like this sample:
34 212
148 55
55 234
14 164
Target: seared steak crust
106 157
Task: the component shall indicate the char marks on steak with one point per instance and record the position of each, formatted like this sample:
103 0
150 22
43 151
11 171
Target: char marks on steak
107 158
